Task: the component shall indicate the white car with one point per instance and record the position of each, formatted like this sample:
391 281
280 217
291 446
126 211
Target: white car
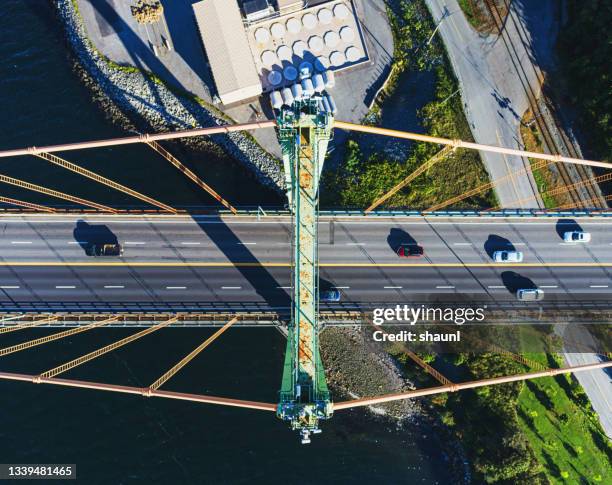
577 236
530 294
508 257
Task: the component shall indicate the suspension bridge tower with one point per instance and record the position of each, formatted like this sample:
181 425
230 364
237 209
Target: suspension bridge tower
304 131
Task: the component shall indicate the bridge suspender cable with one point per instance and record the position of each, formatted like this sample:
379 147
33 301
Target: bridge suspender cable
486 186
583 183
189 174
585 203
466 144
103 180
27 205
425 166
50 338
144 138
54 193
21 326
97 353
189 357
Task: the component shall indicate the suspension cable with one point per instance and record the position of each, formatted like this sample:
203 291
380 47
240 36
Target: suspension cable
103 180
466 144
144 138
425 166
56 336
189 174
189 357
108 348
27 205
54 193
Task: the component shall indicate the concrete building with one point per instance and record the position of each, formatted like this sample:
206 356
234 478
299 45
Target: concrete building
227 48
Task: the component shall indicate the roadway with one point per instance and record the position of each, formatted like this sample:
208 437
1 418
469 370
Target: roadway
492 91
242 263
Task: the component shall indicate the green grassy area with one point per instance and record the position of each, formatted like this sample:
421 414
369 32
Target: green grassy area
467 6
358 182
562 429
541 431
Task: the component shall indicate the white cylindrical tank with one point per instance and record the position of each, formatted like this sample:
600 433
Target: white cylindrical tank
318 82
291 73
329 78
307 88
332 104
287 96
276 99
326 105
275 78
297 91
305 69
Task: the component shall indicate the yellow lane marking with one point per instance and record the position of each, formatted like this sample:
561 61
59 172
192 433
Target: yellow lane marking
287 265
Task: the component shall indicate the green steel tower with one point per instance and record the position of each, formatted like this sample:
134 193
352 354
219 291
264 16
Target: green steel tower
304 132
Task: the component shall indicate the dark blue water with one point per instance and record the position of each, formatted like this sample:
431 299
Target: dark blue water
43 102
117 439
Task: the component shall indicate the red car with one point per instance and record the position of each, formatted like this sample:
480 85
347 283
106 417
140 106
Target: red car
410 251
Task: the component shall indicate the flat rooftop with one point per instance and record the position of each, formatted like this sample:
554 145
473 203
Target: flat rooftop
324 37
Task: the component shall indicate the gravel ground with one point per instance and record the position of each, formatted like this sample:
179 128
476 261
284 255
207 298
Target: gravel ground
357 368
141 104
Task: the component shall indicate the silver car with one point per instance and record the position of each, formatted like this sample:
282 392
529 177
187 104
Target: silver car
508 257
577 236
530 294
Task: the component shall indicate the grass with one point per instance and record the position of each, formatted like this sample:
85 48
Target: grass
563 430
478 15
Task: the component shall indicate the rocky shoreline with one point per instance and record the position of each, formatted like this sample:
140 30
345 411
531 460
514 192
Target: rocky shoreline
139 102
356 366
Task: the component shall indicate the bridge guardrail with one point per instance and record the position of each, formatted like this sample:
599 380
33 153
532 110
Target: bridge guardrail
277 211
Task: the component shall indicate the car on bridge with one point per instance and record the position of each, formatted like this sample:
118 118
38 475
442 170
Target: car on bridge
330 296
577 236
106 250
530 294
410 251
508 256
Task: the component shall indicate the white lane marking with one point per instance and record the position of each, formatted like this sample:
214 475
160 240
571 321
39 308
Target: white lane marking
135 243
77 242
231 287
462 244
114 286
392 287
568 244
444 287
355 244
9 287
176 287
598 286
247 243
495 287
517 244
191 243
549 286
66 287
285 287
341 287
21 242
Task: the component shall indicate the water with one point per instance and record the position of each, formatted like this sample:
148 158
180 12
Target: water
116 439
43 102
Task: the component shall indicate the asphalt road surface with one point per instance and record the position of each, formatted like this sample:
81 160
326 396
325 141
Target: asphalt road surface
242 263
